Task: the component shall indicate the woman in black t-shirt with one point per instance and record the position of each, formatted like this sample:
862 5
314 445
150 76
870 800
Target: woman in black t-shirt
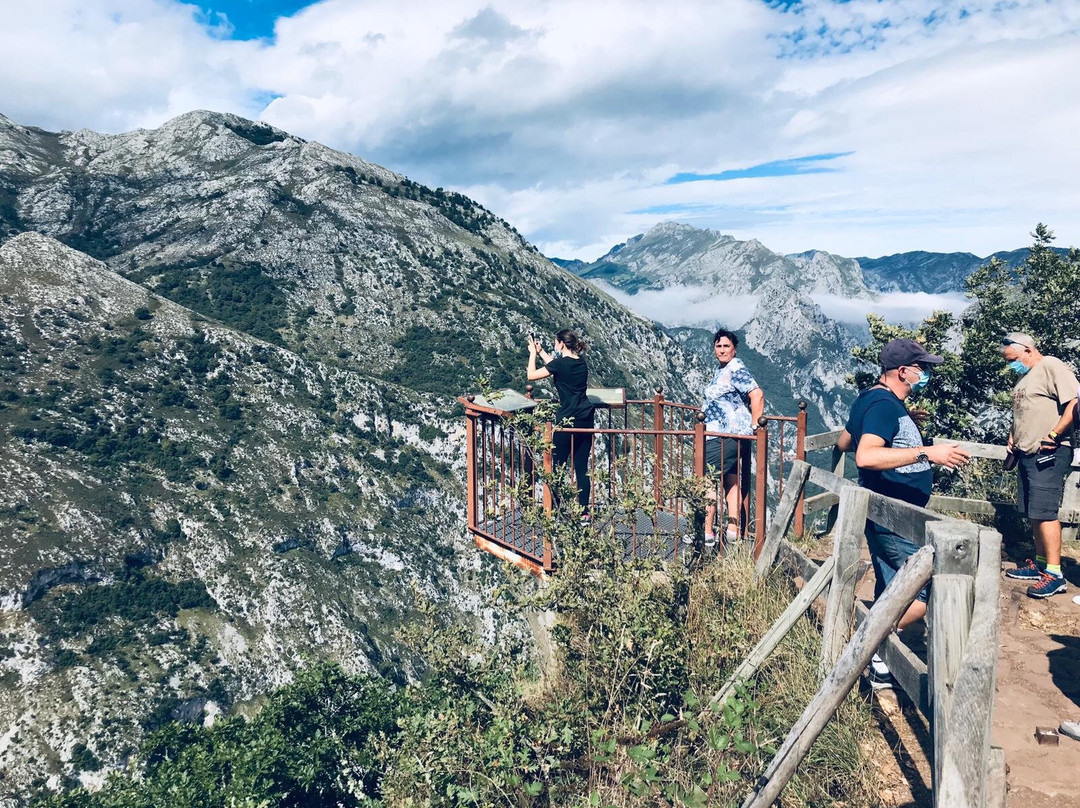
570 372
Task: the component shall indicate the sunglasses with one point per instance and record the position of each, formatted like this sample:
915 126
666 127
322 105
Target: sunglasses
1006 342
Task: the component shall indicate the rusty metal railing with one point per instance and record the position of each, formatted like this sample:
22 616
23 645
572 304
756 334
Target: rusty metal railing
637 451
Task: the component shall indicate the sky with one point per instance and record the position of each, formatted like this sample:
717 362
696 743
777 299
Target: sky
863 127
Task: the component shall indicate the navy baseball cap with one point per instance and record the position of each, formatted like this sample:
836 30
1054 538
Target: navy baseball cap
903 352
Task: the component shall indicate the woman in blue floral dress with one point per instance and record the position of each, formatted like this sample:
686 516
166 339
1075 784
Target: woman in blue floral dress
733 404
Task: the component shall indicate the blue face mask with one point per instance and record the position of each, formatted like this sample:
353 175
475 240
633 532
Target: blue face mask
1018 367
924 379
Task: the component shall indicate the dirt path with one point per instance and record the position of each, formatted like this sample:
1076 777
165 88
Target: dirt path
1038 685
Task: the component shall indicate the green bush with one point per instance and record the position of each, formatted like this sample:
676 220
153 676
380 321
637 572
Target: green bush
139 599
243 296
312 746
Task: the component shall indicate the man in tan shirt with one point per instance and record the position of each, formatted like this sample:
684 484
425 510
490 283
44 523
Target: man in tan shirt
1043 403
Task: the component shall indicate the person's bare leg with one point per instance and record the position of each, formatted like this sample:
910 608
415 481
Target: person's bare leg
1047 535
731 501
710 513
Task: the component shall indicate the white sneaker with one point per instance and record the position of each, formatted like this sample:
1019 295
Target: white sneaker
1070 728
878 674
1076 600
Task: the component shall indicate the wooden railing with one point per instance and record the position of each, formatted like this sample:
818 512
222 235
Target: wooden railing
954 689
651 440
1069 514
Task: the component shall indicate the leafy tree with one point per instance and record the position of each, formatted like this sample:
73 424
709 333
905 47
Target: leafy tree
968 396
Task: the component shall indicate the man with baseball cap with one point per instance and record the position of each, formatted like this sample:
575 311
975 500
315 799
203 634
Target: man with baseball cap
893 461
1043 403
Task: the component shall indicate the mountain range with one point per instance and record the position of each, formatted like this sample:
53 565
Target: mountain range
682 254
227 424
229 439
776 302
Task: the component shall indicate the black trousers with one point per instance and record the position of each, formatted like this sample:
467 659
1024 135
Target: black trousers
578 446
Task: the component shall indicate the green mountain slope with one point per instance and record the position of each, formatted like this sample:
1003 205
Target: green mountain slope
228 435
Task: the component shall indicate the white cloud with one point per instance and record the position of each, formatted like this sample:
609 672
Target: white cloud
687 305
895 307
684 305
566 117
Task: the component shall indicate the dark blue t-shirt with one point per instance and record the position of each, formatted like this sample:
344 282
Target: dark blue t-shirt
878 411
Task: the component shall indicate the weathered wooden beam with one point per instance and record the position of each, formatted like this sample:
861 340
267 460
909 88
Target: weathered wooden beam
979 507
1070 503
956 558
912 577
822 440
990 451
828 480
995 779
810 592
903 518
820 502
906 668
847 550
785 512
967 768
797 562
838 460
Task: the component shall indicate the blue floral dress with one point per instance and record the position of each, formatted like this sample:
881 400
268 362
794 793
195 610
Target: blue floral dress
726 407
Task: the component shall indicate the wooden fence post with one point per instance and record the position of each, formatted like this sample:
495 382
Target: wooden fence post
790 502
956 558
887 610
847 548
969 771
839 461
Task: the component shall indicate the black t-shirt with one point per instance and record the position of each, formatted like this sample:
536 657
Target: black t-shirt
878 411
571 377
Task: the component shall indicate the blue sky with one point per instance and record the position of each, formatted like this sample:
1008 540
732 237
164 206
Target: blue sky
250 19
810 164
864 127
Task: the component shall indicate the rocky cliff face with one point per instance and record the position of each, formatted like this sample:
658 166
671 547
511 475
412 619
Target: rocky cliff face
226 419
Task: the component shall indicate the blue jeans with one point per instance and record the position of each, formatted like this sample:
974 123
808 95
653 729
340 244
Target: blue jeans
888 552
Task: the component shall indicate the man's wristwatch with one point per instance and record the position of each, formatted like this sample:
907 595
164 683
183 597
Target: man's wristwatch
921 457
1053 435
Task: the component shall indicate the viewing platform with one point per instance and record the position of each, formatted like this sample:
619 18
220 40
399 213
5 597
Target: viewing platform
641 450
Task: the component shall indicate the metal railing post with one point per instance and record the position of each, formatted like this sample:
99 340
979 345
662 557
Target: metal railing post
548 503
470 467
761 438
800 454
658 444
699 445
